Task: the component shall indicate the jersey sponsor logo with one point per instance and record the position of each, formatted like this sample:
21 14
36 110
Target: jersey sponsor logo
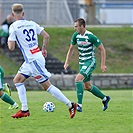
83 42
32 44
35 50
38 77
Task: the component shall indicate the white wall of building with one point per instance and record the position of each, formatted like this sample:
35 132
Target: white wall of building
116 16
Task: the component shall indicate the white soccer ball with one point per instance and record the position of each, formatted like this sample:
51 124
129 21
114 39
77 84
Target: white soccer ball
48 107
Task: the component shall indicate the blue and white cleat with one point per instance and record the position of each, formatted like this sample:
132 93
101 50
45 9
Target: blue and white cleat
79 109
105 103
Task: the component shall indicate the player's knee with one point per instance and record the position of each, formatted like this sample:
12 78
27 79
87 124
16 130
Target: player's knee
79 78
17 80
46 85
87 86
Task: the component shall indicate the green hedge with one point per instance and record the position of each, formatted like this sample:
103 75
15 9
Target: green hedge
117 41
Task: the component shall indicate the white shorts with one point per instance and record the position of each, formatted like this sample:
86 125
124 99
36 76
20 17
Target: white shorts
35 69
1 85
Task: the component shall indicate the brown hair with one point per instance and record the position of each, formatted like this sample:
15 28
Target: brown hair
81 21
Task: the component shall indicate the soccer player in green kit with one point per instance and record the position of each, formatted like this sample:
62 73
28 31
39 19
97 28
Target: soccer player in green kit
87 42
4 96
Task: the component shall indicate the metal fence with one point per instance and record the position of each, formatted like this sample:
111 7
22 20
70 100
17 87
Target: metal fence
64 12
47 12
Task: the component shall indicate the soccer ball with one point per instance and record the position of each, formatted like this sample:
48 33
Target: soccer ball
48 107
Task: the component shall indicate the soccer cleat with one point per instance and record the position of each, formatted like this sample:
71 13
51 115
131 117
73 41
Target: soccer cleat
79 109
15 106
21 114
105 103
72 110
7 89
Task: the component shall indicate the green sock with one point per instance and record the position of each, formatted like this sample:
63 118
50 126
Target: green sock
80 91
95 91
7 99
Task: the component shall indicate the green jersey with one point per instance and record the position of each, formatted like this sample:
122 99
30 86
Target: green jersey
1 78
86 45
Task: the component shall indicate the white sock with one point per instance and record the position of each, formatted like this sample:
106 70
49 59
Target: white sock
22 95
59 95
14 104
80 105
104 99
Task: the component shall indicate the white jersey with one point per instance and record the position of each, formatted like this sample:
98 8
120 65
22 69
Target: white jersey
25 33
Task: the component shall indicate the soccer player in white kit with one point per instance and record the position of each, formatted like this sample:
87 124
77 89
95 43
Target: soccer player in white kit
24 33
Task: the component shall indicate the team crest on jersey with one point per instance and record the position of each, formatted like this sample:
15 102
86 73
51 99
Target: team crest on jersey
84 67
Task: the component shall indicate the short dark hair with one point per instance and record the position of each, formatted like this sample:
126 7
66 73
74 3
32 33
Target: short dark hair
81 21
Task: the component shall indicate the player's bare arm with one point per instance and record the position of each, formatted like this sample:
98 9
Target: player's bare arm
11 45
69 54
103 57
46 37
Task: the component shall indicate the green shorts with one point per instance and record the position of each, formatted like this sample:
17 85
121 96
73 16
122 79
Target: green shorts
87 68
1 78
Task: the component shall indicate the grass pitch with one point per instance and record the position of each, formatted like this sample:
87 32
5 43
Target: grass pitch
116 119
